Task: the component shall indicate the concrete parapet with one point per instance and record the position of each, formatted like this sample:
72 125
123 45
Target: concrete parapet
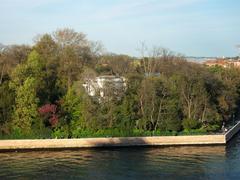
110 142
120 141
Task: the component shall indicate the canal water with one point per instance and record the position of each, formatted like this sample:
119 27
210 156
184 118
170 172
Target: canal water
141 163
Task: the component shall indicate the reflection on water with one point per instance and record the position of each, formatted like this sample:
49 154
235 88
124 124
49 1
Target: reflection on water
186 162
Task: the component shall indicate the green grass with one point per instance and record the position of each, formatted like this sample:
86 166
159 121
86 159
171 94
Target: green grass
102 133
132 133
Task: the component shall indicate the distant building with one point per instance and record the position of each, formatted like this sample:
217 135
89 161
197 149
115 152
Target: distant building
103 86
217 62
236 63
223 63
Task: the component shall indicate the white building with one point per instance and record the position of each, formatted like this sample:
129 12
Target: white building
102 85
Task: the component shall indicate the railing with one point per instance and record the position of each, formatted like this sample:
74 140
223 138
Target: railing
232 131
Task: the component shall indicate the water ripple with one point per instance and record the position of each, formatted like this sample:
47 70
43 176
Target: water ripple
186 162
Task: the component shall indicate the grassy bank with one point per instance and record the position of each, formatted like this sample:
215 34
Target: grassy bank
102 133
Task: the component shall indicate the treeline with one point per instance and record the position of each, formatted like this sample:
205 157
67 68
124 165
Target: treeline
41 92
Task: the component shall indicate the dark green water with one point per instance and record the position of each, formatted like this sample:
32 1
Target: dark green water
199 162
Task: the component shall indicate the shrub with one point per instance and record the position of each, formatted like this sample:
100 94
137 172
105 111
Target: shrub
212 128
60 133
193 132
189 124
49 114
173 125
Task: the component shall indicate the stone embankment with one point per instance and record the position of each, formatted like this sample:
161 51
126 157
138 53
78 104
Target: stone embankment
121 141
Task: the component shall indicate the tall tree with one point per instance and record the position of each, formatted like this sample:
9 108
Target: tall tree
74 50
26 78
25 111
31 68
10 57
50 89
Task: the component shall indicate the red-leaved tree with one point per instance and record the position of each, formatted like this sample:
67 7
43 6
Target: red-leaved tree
49 113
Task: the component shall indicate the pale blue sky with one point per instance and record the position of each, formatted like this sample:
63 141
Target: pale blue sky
191 27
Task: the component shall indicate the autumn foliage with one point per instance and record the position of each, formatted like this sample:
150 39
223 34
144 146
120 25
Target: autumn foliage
49 112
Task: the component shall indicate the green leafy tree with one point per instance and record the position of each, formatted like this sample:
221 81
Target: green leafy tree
25 111
71 107
159 105
50 89
129 108
31 68
230 92
26 79
74 53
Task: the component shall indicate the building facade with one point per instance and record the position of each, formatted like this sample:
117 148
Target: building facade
103 86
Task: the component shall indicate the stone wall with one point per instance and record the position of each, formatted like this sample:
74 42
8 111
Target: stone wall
101 142
122 141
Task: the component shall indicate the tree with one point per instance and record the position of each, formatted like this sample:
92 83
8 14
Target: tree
129 107
74 52
50 89
192 92
31 68
49 114
118 65
147 97
72 110
26 79
159 105
198 92
7 98
25 111
230 92
152 59
47 48
10 57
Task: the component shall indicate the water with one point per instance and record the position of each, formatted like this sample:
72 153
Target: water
199 162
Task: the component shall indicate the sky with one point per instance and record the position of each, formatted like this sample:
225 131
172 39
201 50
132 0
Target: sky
189 27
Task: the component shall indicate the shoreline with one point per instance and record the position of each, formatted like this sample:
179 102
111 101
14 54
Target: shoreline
30 144
112 142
